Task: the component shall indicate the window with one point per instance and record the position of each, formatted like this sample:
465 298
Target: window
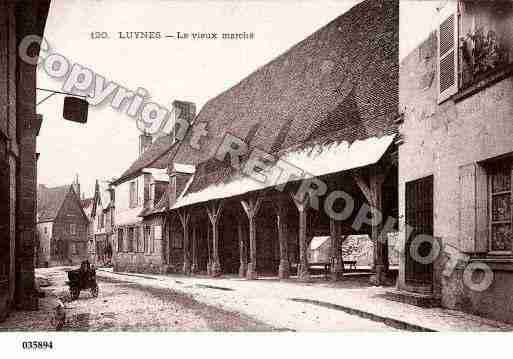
72 228
447 51
152 240
133 194
46 230
146 238
138 240
120 240
74 249
130 239
499 200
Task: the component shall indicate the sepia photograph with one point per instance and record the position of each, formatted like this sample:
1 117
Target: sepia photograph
293 174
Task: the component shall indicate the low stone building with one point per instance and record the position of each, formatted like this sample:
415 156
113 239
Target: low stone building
456 160
140 246
62 227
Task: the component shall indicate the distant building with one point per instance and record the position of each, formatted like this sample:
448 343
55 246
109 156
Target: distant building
61 226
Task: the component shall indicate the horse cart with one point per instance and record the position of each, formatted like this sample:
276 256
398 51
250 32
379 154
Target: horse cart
83 278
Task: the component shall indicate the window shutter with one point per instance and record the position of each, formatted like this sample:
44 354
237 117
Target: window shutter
473 215
467 208
481 210
448 51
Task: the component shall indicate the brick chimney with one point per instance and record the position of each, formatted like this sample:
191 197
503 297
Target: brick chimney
144 142
76 187
183 110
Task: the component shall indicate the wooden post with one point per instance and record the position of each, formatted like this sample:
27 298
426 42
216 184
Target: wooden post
302 269
242 251
283 232
209 252
337 262
194 267
185 218
214 213
373 192
251 207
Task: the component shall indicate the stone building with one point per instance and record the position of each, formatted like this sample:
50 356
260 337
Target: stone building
455 163
325 108
19 127
138 191
100 212
62 227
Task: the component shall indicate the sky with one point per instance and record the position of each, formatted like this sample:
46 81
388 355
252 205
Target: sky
170 69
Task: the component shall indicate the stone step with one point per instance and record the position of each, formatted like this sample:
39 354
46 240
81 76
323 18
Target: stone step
416 299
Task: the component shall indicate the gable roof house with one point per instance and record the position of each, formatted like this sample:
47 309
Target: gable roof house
137 192
61 226
100 212
326 108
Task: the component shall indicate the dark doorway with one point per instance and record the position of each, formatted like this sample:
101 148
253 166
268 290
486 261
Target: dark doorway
419 217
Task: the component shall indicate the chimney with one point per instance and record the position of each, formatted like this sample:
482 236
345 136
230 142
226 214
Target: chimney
183 110
76 186
144 142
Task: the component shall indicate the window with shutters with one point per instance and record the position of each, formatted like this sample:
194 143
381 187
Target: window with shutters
500 198
133 194
448 51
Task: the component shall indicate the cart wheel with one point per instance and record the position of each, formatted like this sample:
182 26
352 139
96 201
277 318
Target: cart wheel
74 292
94 291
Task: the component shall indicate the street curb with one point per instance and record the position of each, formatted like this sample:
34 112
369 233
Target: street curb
395 323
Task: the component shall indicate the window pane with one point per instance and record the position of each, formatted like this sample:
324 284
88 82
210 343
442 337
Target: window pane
501 180
501 207
501 237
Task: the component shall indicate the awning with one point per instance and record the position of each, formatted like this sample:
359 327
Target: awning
316 160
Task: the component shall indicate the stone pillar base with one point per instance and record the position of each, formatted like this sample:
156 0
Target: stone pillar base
337 271
302 273
284 269
186 268
243 269
251 272
194 268
215 270
380 278
209 268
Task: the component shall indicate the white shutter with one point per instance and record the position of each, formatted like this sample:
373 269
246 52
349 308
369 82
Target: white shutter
473 209
448 51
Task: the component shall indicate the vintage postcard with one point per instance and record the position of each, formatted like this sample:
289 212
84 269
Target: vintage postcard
331 166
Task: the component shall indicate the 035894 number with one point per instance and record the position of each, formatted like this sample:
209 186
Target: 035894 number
37 345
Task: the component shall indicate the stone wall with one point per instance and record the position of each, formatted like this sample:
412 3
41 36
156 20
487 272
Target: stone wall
438 139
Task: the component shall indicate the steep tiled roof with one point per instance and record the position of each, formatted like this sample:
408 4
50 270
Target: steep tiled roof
338 85
49 201
86 202
156 156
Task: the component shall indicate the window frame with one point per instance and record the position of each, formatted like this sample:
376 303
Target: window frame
121 245
491 169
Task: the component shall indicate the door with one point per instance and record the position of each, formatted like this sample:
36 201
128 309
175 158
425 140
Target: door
419 216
